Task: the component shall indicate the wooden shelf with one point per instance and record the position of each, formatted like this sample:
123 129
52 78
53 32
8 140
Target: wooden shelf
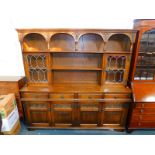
83 88
117 52
75 68
77 51
115 68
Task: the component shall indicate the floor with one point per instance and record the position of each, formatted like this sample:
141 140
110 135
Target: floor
24 131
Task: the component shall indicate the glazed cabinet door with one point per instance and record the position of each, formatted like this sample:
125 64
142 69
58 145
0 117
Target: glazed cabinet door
116 68
36 68
114 114
38 113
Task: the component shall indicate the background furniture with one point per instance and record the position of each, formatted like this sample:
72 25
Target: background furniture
142 112
12 84
77 78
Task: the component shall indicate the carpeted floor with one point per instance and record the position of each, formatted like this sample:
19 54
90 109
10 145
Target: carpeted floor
24 131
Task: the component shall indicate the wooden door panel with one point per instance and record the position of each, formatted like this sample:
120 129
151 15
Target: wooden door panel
89 113
114 113
63 113
89 117
112 117
63 117
38 113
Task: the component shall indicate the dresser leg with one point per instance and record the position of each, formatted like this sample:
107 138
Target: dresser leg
129 130
119 130
30 129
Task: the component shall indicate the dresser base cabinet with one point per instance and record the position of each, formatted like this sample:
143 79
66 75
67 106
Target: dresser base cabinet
75 109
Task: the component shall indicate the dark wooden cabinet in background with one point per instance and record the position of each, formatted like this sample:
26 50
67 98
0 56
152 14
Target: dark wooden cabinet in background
142 112
77 78
12 84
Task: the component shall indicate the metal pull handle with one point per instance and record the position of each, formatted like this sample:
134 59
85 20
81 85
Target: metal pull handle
90 97
141 110
62 97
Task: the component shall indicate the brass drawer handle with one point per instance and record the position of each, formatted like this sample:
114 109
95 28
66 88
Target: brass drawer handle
139 124
90 97
62 97
143 105
141 110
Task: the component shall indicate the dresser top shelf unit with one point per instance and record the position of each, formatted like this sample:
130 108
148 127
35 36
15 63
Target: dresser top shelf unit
76 56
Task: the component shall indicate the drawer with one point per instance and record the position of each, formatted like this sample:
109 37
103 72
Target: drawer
116 105
115 96
144 111
62 106
145 105
90 96
61 96
34 95
142 124
89 106
143 117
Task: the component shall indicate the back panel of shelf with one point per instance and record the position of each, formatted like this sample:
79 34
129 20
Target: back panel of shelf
74 76
84 60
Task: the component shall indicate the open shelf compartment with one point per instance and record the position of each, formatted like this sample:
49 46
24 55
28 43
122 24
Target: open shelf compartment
34 42
76 61
118 42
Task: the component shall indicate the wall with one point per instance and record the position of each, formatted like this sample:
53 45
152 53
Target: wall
60 14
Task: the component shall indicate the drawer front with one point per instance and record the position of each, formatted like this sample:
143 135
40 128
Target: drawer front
145 105
34 95
143 117
89 106
116 105
115 96
144 111
90 96
142 125
61 96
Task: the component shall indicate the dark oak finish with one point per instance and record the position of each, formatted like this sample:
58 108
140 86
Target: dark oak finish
142 111
77 78
12 84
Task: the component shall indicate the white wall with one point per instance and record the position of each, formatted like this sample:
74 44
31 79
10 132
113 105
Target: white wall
61 14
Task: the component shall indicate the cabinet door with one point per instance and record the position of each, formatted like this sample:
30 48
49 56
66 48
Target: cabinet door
38 113
116 68
114 114
89 113
63 114
36 66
